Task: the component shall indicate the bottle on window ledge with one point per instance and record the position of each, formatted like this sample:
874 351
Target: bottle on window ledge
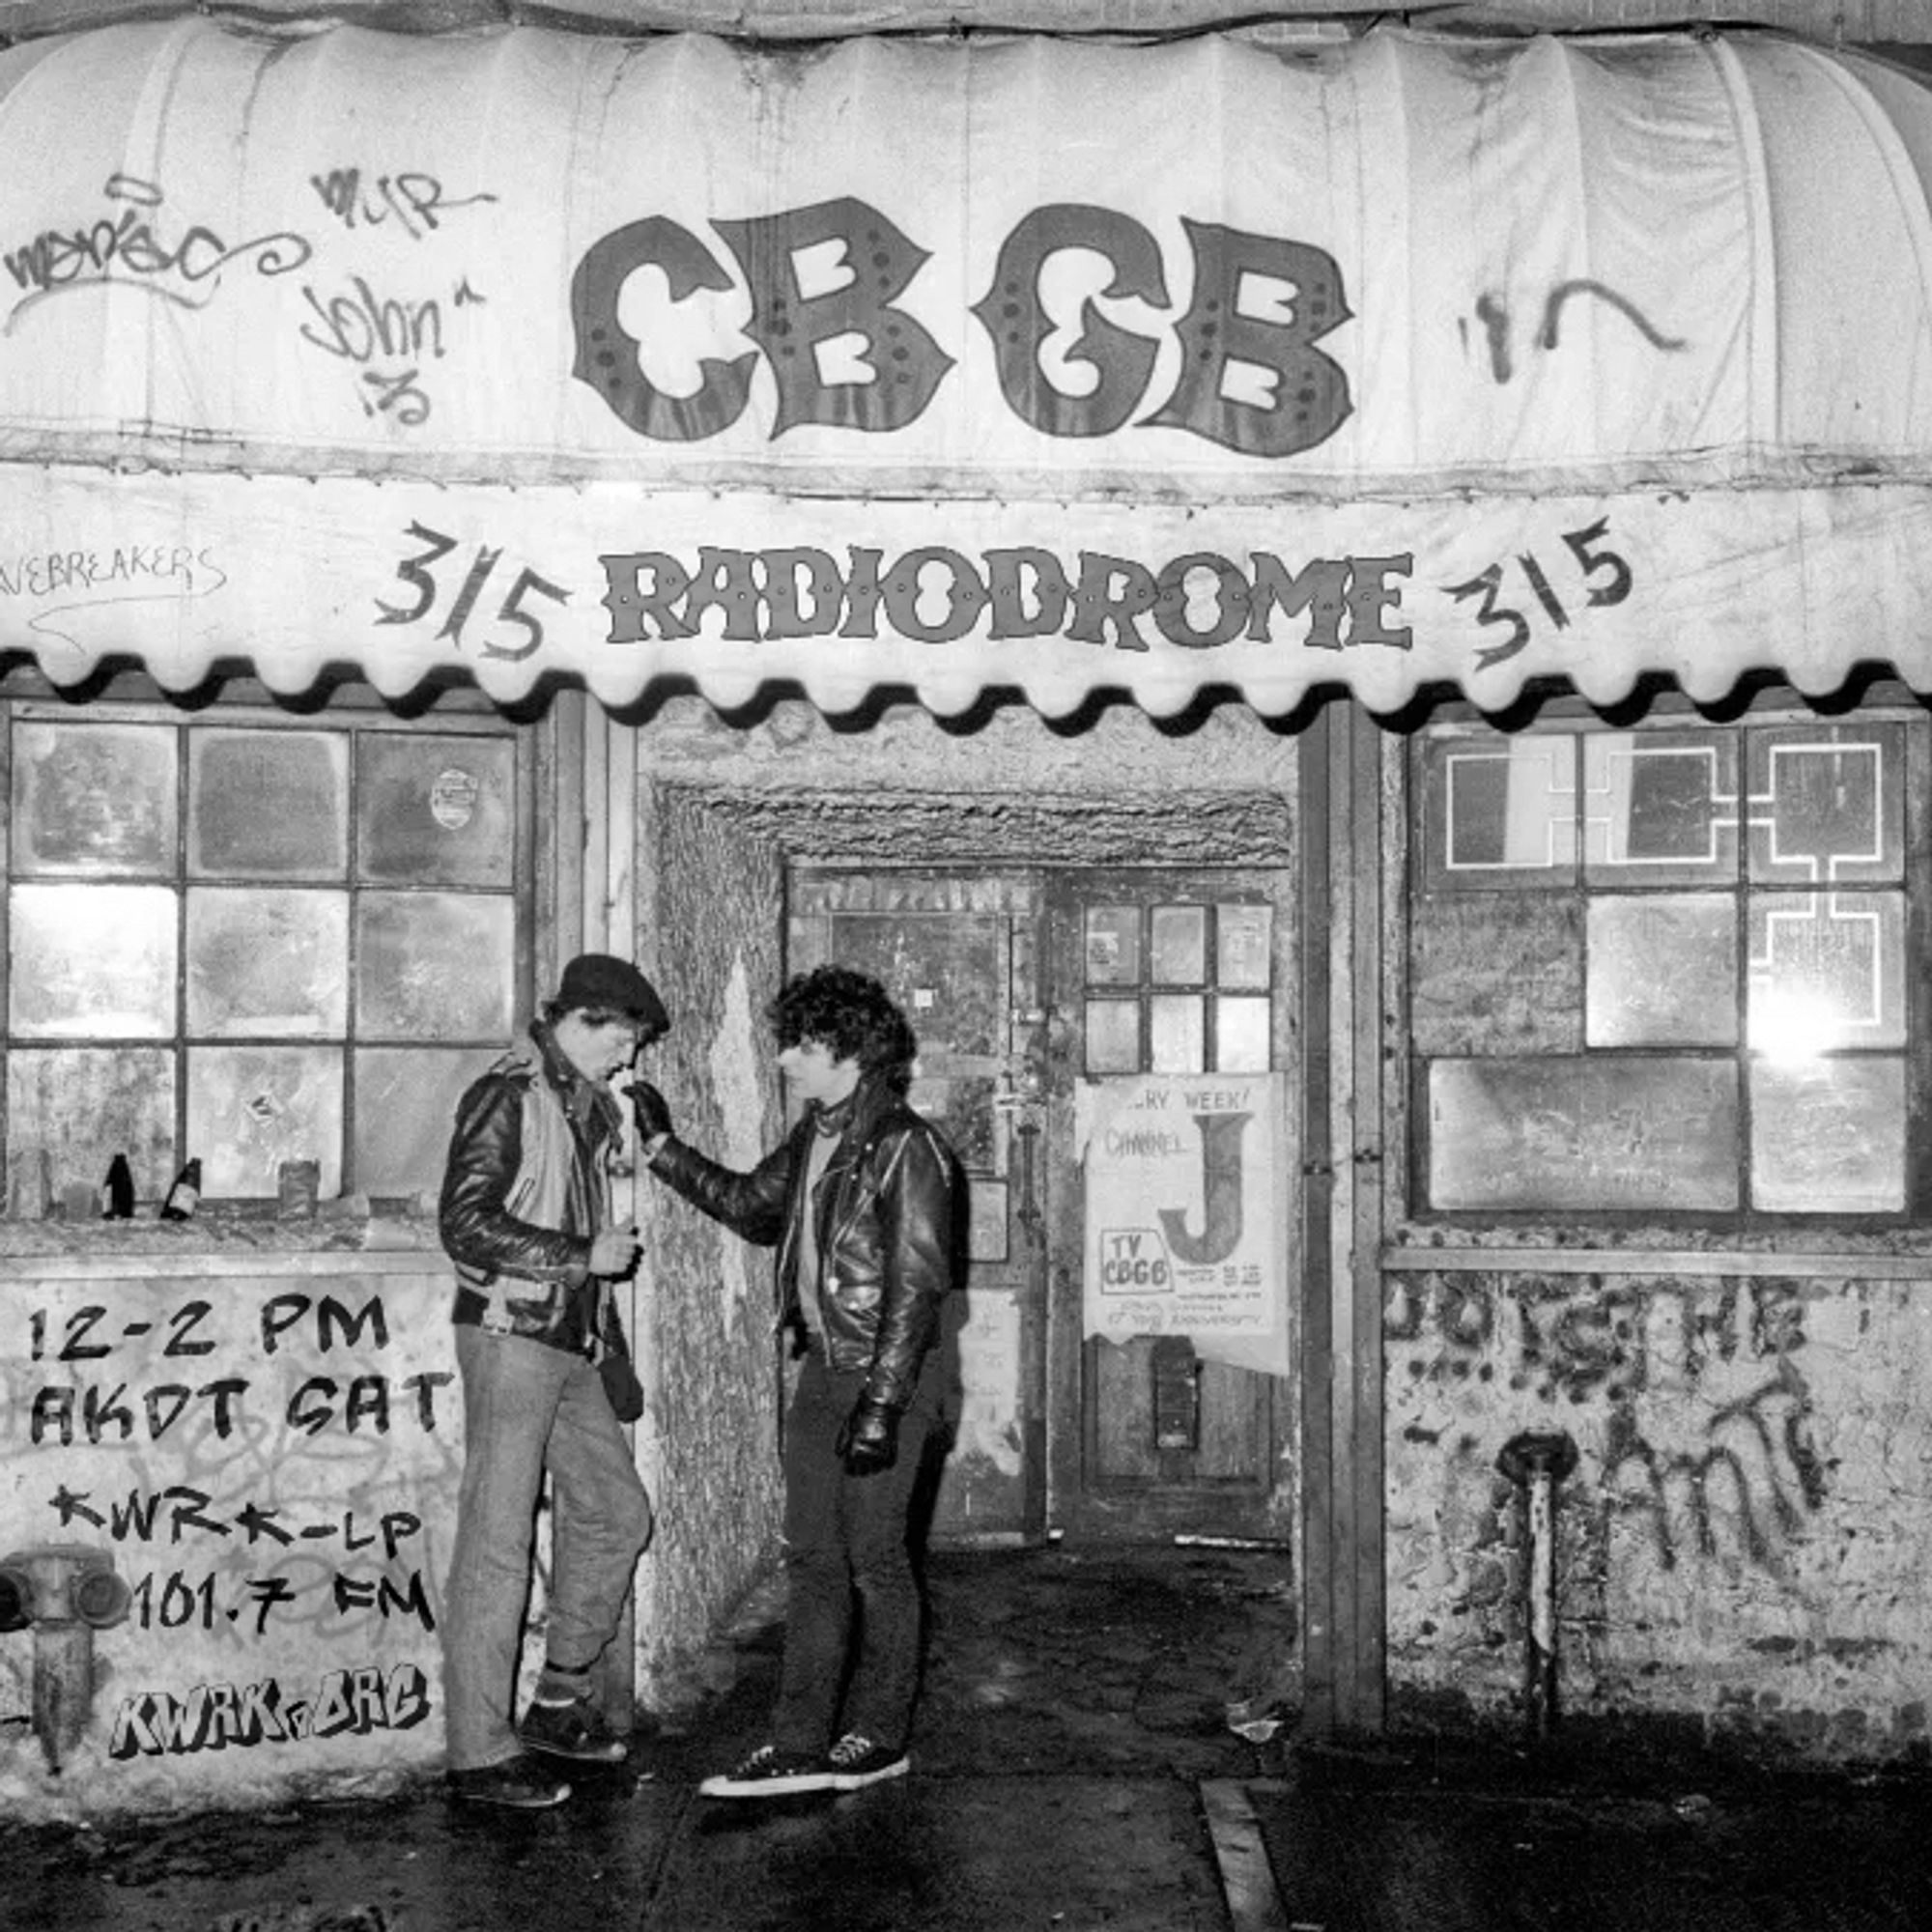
119 1190
185 1195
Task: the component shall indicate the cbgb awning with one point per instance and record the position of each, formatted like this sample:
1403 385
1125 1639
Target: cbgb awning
1389 363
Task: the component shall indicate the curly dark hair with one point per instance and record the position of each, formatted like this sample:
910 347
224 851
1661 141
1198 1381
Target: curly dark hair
853 1016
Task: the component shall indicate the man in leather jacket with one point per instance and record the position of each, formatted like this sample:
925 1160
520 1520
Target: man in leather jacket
545 1381
860 1200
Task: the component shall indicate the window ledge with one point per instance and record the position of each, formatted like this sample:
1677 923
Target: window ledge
1899 1263
344 1237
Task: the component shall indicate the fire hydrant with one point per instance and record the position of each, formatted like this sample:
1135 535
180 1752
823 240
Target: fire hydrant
63 1592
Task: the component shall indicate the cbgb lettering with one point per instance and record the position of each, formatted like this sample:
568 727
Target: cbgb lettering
825 282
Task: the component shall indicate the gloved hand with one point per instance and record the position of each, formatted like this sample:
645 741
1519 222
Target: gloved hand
870 1441
648 1104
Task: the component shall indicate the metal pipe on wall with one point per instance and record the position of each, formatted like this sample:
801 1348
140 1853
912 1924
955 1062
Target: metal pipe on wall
1537 1462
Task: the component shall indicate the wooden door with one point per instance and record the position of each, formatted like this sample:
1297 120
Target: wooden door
959 952
1169 997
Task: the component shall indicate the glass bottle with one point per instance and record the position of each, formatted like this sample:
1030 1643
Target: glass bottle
185 1195
119 1190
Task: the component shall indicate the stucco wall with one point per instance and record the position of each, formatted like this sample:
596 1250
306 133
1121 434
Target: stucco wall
1742 1552
264 1448
710 941
987 767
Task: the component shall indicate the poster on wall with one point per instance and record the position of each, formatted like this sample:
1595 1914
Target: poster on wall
1183 1227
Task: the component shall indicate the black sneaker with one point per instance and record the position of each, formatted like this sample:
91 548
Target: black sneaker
578 1731
856 1762
521 1783
770 1773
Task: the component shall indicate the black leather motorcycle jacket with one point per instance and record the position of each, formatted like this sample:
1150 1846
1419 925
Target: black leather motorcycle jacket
524 1194
887 1244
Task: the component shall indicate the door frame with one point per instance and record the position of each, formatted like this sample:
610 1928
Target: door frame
1156 1508
1350 841
1341 852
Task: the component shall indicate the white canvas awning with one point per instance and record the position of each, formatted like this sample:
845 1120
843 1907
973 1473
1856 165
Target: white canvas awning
1389 363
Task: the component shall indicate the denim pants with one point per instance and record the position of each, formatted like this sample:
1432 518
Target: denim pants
853 1607
529 1408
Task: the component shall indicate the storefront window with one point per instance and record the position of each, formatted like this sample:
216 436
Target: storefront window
1666 970
254 939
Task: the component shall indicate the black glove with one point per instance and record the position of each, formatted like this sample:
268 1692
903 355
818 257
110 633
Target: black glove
648 1104
870 1441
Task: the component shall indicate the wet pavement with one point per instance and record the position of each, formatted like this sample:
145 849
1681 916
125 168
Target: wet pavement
1077 1767
1497 1841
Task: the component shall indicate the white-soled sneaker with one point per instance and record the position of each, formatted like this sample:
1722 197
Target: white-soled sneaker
770 1773
856 1762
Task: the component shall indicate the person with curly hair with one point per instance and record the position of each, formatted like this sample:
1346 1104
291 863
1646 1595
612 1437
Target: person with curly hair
861 1200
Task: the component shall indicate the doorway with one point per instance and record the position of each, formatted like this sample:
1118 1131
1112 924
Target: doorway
1146 1396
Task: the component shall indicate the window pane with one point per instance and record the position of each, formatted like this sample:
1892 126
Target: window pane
1241 935
265 962
267 805
1112 1037
199 879
1661 806
433 966
94 798
1498 973
250 1108
1825 804
1178 1033
1578 1132
1180 945
435 809
949 972
1742 914
1501 811
85 1104
1241 1043
92 963
405 1102
1828 1137
1663 971
1826 969
1113 945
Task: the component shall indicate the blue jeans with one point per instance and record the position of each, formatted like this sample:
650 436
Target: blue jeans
529 1408
853 1608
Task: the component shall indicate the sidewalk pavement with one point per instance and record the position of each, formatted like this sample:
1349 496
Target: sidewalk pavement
1074 1769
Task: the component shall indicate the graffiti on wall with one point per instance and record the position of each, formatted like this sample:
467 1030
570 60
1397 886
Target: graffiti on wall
262 1467
213 1717
799 313
65 582
300 1580
1702 1413
85 1349
383 335
137 242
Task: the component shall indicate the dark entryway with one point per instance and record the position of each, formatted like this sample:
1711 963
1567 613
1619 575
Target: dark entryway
1024 985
